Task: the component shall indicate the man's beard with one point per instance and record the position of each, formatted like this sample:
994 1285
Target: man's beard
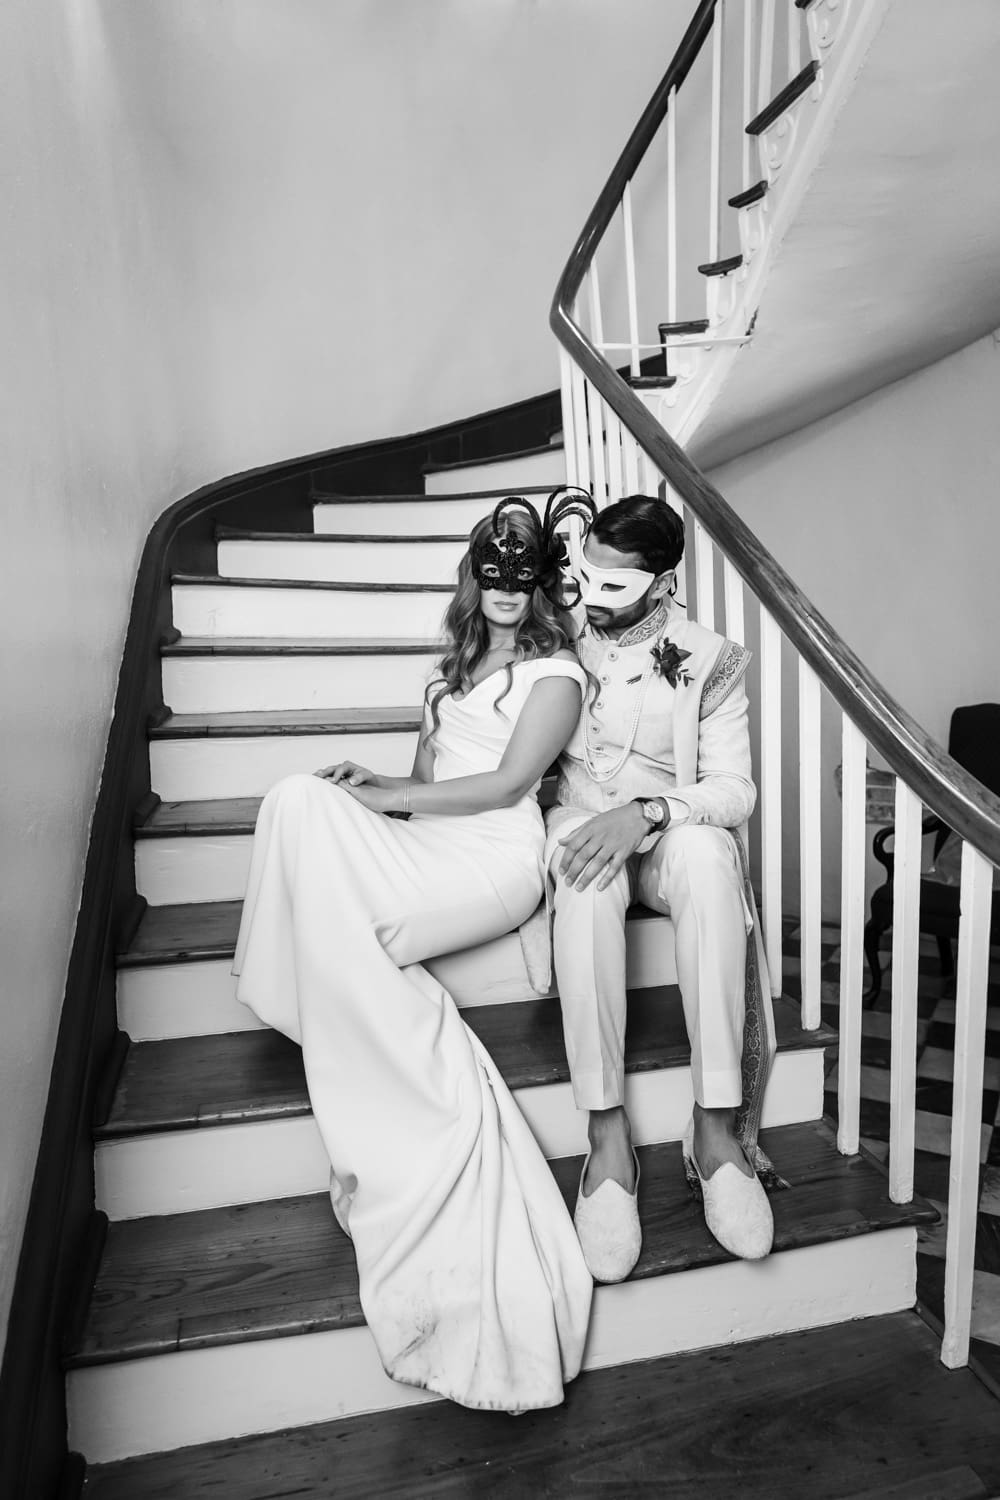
620 619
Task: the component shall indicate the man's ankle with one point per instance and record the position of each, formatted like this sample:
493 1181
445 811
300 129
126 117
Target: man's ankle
715 1140
610 1135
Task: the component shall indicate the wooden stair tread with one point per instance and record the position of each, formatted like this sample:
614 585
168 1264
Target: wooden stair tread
680 330
234 815
269 645
721 267
784 99
274 721
331 497
749 195
652 382
491 458
238 534
193 1082
864 1409
263 1270
195 930
215 580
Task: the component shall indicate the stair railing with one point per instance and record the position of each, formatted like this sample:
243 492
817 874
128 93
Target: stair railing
617 444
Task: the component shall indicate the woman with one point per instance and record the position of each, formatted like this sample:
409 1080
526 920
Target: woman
471 1277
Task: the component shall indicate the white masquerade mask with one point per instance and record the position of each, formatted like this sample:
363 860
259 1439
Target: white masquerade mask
612 588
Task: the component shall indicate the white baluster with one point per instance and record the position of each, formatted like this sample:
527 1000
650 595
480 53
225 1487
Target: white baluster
810 845
596 319
704 561
749 21
975 900
770 794
597 416
672 207
615 490
580 438
794 64
852 919
687 582
715 149
633 307
905 947
630 455
765 56
732 586
568 417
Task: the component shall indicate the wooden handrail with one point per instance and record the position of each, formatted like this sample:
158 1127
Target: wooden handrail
944 786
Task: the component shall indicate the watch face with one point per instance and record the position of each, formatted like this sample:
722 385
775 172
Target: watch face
653 813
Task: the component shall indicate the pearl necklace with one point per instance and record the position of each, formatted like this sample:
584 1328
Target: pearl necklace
604 772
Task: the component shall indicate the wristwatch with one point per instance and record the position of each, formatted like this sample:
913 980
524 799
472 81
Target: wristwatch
652 811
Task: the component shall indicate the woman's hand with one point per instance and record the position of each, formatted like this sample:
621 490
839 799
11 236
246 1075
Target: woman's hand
349 772
375 798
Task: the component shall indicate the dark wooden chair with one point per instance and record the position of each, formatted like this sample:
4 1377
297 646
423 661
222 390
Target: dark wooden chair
974 741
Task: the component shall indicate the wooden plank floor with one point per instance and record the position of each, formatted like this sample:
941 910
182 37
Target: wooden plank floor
253 1075
282 1267
864 1410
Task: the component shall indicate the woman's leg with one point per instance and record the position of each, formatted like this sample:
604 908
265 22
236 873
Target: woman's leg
471 1278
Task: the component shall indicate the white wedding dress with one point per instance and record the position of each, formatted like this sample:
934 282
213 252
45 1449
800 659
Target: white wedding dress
471 1277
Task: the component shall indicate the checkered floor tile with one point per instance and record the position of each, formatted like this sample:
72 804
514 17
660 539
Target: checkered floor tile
935 1063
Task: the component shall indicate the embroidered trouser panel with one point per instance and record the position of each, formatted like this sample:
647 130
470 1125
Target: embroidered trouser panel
693 874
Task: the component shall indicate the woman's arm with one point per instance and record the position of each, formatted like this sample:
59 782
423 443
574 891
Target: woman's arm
544 726
350 773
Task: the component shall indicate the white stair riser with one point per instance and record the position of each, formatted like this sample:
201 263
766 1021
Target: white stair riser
507 475
240 609
175 1171
202 1395
240 684
343 562
200 999
427 517
215 766
174 1000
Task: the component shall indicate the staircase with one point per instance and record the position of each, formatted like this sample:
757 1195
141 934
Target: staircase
218 1303
225 1302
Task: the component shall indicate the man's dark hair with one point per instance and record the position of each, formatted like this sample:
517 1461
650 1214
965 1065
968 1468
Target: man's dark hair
650 528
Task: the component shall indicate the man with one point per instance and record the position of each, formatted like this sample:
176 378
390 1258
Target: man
654 791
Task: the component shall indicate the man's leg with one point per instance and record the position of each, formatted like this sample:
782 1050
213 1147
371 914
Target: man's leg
589 954
693 874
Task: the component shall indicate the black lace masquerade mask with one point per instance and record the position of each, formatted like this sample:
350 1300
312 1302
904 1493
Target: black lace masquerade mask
516 566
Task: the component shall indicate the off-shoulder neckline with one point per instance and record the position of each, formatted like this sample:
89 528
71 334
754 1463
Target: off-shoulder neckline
531 661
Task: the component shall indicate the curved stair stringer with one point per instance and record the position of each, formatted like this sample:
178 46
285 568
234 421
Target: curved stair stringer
790 150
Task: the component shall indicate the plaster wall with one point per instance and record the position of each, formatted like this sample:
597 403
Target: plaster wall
886 516
238 232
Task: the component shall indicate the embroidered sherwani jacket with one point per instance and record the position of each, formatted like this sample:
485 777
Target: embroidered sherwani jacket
692 741
691 746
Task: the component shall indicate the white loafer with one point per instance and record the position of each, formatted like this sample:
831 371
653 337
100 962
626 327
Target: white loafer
736 1208
607 1226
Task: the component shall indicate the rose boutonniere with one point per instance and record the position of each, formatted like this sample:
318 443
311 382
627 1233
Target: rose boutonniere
670 661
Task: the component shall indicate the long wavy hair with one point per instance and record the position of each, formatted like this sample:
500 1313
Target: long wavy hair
545 629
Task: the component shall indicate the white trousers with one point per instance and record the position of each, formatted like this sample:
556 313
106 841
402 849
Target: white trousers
693 875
